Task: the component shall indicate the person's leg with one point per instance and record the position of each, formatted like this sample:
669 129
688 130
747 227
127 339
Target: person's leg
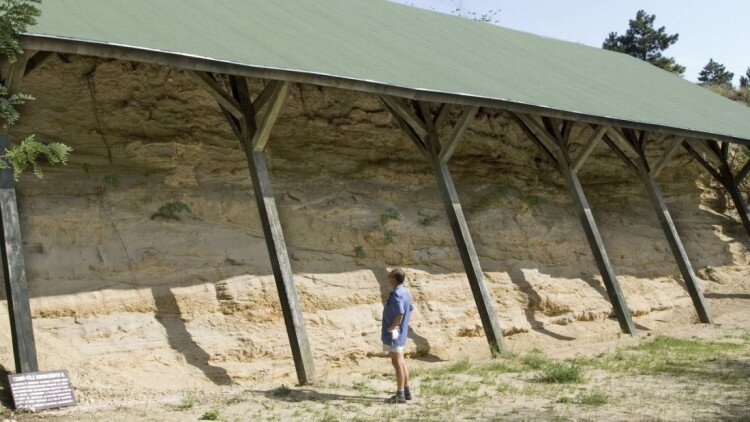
398 363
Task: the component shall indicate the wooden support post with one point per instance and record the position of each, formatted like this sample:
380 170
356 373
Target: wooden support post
642 169
429 144
537 132
253 133
717 165
11 248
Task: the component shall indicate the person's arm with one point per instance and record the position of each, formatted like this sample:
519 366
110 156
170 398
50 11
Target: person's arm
396 322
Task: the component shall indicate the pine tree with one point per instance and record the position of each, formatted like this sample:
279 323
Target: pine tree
643 41
15 16
715 73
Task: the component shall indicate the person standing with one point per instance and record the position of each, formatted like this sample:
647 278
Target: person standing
395 329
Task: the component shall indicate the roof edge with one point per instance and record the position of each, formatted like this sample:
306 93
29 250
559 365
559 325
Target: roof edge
40 42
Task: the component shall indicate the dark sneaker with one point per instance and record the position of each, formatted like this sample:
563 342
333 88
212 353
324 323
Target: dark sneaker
407 394
396 398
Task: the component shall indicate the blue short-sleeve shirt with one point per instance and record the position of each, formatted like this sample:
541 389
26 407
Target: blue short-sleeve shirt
399 302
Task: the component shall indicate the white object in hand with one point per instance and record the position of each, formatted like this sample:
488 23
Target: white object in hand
394 334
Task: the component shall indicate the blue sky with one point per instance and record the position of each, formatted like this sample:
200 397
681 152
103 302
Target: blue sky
718 29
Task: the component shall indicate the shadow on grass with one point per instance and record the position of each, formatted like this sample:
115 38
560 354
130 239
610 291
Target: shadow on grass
289 395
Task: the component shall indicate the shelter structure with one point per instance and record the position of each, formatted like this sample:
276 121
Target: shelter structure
423 65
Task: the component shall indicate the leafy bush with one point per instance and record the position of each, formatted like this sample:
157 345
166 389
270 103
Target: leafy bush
27 153
171 210
210 415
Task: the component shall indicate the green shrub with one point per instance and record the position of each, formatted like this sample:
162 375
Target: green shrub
210 415
561 373
388 215
171 210
111 180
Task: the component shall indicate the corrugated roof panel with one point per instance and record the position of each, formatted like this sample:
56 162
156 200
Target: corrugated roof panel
391 44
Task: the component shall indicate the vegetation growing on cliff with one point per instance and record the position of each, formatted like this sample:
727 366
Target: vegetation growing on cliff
15 16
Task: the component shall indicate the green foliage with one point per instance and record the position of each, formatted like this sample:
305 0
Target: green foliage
388 236
561 373
428 220
535 201
235 400
741 95
564 400
359 251
593 398
282 391
486 200
388 215
645 42
15 17
210 415
171 210
111 180
187 402
715 73
8 105
27 154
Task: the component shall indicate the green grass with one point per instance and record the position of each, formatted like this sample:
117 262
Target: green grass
235 400
593 398
428 219
457 367
282 391
111 180
364 387
675 356
359 251
535 360
388 236
487 199
187 402
388 215
564 400
171 211
561 373
534 201
210 415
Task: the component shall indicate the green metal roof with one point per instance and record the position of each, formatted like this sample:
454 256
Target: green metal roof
378 46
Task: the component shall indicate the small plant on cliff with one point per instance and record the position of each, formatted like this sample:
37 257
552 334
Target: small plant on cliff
111 180
359 251
388 215
210 415
428 219
15 17
171 210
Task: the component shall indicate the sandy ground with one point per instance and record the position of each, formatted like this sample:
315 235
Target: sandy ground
356 391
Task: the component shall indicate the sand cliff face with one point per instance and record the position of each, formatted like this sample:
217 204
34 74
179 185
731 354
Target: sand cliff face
194 299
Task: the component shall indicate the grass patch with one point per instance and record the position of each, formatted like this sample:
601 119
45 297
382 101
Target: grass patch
171 211
282 391
534 201
235 400
187 402
674 356
564 400
535 360
428 219
359 251
593 398
388 215
364 387
561 373
111 180
388 236
457 367
487 199
210 415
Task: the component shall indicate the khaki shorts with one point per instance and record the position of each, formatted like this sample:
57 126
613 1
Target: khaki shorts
387 348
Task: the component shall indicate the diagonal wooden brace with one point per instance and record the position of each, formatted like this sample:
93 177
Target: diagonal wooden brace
585 215
640 164
253 135
430 146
